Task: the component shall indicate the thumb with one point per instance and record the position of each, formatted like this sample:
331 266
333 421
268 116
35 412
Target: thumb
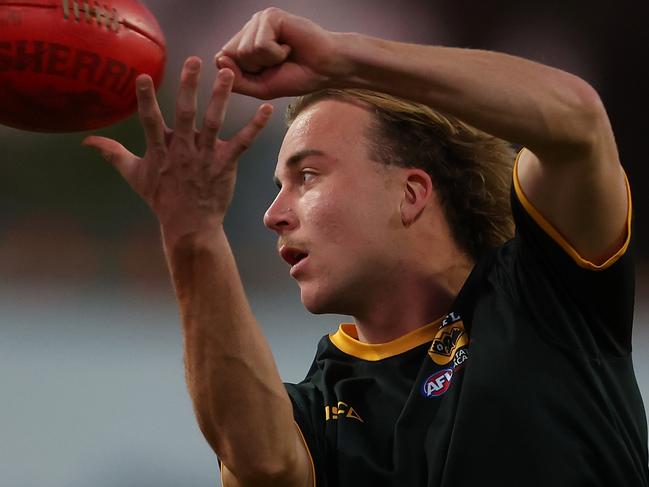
244 83
223 61
111 150
286 48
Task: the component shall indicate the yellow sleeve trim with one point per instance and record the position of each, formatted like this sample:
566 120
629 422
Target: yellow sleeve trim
560 239
346 340
308 451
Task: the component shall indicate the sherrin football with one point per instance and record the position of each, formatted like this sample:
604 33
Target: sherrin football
70 65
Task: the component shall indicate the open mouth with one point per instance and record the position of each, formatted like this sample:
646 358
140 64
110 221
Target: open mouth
292 255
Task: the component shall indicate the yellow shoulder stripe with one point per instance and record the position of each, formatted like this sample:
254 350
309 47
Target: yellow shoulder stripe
560 239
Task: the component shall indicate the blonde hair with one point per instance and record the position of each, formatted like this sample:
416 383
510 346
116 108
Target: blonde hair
470 169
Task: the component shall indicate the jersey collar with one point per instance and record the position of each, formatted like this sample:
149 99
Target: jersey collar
346 340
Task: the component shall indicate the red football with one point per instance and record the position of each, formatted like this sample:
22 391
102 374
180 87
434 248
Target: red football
69 65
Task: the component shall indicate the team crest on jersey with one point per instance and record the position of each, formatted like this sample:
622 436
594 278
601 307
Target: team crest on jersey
450 338
449 348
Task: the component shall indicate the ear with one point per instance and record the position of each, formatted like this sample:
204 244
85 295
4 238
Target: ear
417 193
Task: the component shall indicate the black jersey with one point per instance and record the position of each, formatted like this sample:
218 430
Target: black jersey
528 381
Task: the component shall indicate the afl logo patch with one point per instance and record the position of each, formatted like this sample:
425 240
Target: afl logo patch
438 383
448 340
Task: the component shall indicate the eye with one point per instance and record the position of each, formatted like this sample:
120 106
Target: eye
307 175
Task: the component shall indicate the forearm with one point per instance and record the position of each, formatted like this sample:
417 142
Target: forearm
512 98
240 402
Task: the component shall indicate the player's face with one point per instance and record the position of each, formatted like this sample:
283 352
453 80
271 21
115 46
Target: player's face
337 210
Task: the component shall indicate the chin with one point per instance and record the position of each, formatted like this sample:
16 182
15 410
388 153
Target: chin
312 304
321 301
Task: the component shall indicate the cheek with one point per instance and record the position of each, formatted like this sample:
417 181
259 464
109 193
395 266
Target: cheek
325 215
350 221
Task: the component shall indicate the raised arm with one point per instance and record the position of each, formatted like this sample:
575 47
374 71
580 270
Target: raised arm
187 177
570 173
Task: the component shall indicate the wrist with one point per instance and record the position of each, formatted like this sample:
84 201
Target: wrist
343 71
363 61
181 240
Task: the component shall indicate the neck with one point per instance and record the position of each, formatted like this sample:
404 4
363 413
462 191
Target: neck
411 302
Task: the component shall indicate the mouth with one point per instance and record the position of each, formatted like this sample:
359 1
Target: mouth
292 255
295 257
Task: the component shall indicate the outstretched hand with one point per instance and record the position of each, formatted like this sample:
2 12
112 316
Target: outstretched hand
279 54
186 176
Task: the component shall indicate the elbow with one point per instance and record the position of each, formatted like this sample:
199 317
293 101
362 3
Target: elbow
256 470
263 460
583 121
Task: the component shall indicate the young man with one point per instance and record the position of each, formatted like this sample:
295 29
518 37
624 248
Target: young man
469 362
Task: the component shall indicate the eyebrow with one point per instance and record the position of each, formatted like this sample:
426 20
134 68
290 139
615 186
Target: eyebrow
295 159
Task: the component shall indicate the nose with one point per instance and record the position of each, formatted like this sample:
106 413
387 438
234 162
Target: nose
279 216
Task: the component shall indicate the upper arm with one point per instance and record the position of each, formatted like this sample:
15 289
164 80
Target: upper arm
581 197
301 474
